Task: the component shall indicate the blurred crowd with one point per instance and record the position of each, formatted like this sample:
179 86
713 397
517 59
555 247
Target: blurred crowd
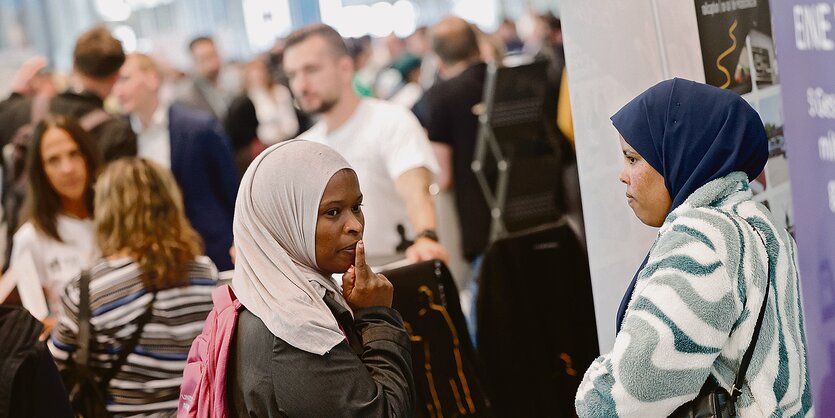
128 169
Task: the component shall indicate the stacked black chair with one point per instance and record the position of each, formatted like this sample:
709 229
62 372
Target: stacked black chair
446 376
536 326
518 154
535 315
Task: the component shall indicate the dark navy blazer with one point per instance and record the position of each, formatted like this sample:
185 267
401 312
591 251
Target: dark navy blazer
202 163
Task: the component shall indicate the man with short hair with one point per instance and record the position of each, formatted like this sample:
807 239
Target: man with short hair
202 90
383 142
453 128
190 143
96 61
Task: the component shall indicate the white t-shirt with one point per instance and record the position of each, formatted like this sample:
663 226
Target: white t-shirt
408 95
57 262
381 141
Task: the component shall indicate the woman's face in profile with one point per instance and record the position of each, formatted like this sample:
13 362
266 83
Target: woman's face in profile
340 223
645 190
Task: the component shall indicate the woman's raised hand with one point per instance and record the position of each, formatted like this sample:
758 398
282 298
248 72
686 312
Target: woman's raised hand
362 287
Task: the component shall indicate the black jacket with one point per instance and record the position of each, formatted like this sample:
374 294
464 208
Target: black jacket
113 138
15 112
368 375
30 385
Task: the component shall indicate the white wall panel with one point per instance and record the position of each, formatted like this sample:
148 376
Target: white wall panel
614 51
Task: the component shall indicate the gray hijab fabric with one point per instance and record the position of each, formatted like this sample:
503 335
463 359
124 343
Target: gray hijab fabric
276 276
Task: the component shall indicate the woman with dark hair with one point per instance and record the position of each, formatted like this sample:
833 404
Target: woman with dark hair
57 233
149 295
721 278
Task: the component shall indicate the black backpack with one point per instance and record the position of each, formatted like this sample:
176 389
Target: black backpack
28 374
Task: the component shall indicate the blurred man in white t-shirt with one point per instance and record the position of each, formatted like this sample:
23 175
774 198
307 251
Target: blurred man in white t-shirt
384 143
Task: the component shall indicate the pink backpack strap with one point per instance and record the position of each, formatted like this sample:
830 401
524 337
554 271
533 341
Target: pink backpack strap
203 391
224 296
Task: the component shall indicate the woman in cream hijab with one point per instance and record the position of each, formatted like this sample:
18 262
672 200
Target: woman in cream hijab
304 346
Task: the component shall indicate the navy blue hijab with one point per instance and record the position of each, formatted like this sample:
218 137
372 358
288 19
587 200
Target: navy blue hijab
691 133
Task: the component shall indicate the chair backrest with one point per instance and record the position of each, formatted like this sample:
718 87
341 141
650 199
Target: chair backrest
518 156
443 360
515 98
536 323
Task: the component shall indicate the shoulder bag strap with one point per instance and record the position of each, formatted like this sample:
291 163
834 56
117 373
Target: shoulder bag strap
749 353
82 355
131 343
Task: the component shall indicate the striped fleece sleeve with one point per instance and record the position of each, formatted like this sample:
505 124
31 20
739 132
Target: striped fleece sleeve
684 306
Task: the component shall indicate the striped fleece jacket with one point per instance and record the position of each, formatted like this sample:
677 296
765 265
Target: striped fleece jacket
148 384
693 312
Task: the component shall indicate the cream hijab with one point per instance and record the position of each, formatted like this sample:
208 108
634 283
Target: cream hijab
276 275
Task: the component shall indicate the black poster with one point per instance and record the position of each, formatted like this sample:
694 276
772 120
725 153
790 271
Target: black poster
737 45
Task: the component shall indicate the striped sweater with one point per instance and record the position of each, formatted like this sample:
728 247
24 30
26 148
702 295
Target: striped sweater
148 383
693 312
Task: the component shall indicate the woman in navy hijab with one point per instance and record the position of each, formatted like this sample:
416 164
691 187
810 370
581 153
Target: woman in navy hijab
690 151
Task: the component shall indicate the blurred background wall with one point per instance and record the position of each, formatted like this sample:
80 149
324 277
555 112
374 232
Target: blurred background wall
242 28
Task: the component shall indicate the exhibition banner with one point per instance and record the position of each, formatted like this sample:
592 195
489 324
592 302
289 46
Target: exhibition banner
805 45
738 54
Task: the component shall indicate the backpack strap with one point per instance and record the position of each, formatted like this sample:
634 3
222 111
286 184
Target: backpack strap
82 355
93 119
40 108
223 296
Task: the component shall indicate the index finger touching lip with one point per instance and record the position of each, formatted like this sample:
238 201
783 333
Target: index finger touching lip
359 260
